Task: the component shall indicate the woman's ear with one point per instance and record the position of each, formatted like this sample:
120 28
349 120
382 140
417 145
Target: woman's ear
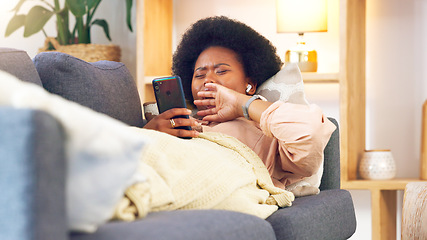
250 89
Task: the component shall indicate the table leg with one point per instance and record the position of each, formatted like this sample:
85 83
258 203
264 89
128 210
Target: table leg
383 204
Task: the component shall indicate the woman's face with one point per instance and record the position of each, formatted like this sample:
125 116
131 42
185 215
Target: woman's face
219 65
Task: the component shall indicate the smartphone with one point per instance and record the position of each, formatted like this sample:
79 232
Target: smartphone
170 94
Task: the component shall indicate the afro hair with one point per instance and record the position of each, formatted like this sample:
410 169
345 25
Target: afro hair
257 55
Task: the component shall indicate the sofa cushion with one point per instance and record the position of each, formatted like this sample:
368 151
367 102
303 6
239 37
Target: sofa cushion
32 176
186 224
328 215
19 64
105 86
286 85
102 154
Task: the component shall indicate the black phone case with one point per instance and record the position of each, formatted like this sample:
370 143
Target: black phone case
170 94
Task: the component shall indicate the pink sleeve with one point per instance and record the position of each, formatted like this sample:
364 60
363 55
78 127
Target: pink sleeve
302 132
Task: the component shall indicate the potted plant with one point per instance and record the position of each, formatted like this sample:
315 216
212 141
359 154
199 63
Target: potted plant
75 38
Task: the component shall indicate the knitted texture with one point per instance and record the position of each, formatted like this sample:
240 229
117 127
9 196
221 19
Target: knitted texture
277 195
213 171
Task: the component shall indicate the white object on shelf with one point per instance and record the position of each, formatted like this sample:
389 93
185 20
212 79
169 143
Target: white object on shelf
377 165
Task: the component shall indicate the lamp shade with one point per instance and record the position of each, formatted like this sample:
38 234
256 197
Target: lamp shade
300 16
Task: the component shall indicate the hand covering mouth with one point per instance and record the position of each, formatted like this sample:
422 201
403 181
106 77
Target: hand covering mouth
203 98
207 106
204 107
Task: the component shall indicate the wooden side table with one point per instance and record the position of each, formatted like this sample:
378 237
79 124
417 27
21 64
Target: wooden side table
414 214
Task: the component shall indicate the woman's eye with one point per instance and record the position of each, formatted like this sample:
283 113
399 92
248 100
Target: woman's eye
199 76
220 72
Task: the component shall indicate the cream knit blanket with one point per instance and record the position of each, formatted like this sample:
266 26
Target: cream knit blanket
213 171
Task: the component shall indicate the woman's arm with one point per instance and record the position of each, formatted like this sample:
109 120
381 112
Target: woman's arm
227 104
302 132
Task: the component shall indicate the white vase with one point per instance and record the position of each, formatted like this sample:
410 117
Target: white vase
377 165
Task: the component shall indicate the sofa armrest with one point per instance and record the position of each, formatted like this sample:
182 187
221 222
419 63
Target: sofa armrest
32 175
18 63
331 168
328 215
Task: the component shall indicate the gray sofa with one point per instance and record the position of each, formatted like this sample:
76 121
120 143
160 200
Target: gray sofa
33 168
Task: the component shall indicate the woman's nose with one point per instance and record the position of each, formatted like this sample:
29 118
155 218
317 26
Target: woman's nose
210 78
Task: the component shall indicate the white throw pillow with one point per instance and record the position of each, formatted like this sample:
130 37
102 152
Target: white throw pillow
102 153
287 85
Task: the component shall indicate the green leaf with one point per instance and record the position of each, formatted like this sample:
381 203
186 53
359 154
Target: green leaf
18 6
129 13
16 22
92 3
82 31
77 7
104 25
62 24
36 19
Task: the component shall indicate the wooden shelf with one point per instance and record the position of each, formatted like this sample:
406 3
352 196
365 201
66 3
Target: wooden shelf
392 184
313 77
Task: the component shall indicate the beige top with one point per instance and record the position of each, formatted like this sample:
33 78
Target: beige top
290 139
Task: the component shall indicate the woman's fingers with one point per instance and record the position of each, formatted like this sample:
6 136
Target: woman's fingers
212 86
208 99
207 94
172 127
205 102
209 111
169 121
184 122
218 103
171 113
184 133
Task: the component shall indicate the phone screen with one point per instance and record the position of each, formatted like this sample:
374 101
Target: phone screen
170 94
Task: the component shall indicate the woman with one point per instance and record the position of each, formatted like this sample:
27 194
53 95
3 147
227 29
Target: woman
221 62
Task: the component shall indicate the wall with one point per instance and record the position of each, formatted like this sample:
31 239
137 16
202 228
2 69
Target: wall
396 80
114 12
395 83
395 72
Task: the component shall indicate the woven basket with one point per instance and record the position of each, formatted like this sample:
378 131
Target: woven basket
86 52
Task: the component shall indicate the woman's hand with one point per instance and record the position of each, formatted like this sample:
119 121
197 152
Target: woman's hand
165 122
223 104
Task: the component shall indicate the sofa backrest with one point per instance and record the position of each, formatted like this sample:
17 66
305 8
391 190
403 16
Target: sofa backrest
331 168
104 86
19 64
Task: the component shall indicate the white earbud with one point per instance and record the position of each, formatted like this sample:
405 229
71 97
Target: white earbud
248 88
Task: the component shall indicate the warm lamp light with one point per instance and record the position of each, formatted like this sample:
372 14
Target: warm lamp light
301 16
